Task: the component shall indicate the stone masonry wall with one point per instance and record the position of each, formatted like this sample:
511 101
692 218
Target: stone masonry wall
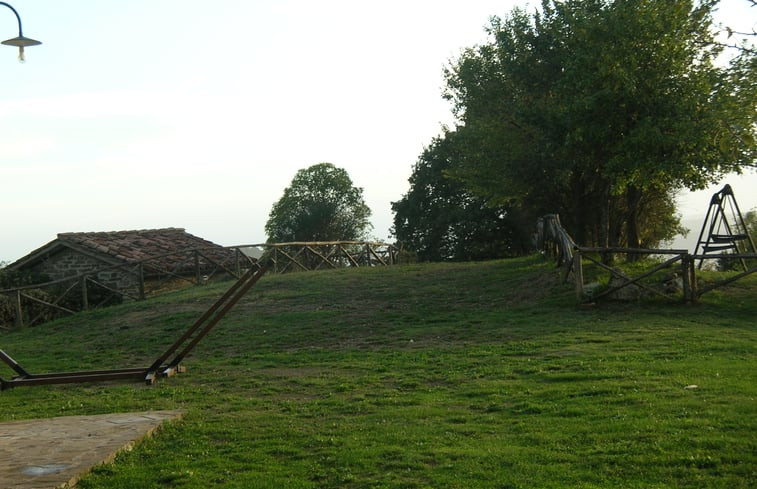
69 263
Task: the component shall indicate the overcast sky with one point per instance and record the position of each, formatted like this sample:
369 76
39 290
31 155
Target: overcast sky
166 113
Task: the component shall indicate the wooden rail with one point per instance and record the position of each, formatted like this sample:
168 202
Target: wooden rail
324 255
553 240
36 303
620 280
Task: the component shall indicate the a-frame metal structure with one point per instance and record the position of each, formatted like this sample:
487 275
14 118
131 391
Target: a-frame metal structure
724 229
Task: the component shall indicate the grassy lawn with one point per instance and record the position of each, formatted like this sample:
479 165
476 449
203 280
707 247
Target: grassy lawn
448 375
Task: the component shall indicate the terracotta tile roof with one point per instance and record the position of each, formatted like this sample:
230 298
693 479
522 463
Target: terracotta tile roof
137 245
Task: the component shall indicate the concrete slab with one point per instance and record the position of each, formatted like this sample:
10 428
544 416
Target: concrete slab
56 452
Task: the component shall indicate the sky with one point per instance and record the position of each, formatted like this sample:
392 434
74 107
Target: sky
164 113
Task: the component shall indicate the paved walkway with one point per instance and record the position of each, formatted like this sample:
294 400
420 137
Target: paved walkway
56 452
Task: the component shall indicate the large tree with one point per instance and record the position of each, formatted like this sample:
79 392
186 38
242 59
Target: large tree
320 204
438 219
602 111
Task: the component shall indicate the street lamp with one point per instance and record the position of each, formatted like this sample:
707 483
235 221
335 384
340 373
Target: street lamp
21 42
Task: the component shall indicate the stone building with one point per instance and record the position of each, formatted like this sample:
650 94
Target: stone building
123 260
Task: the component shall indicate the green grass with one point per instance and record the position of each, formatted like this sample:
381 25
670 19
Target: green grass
451 375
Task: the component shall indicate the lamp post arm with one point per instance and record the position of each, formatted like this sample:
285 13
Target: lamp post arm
18 17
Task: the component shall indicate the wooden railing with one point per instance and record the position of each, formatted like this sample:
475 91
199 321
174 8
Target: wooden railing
323 255
554 240
680 280
36 303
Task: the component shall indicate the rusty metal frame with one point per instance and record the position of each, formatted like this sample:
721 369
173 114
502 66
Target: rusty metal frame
162 366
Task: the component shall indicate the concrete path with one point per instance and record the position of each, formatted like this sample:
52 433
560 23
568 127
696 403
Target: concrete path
56 452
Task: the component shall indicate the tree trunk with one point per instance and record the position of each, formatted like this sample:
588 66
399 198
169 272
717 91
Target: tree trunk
604 223
576 217
617 221
633 198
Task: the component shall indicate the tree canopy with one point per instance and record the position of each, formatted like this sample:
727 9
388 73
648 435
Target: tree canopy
438 219
602 111
320 204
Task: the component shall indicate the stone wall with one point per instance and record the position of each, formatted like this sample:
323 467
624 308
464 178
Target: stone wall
69 263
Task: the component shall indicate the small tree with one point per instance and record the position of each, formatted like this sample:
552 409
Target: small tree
321 204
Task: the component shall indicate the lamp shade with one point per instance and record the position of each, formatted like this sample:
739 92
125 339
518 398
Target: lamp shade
21 42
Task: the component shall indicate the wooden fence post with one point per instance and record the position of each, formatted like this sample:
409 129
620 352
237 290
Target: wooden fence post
19 322
692 281
578 272
686 276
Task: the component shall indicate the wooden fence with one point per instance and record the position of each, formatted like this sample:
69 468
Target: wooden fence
679 275
36 303
554 240
304 256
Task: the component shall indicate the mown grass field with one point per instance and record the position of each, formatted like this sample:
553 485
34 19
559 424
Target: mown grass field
476 375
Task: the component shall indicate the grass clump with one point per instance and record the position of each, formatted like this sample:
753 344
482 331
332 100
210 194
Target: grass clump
441 375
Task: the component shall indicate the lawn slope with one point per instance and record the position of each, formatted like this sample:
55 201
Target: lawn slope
445 375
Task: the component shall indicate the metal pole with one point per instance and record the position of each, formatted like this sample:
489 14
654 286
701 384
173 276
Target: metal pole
18 17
